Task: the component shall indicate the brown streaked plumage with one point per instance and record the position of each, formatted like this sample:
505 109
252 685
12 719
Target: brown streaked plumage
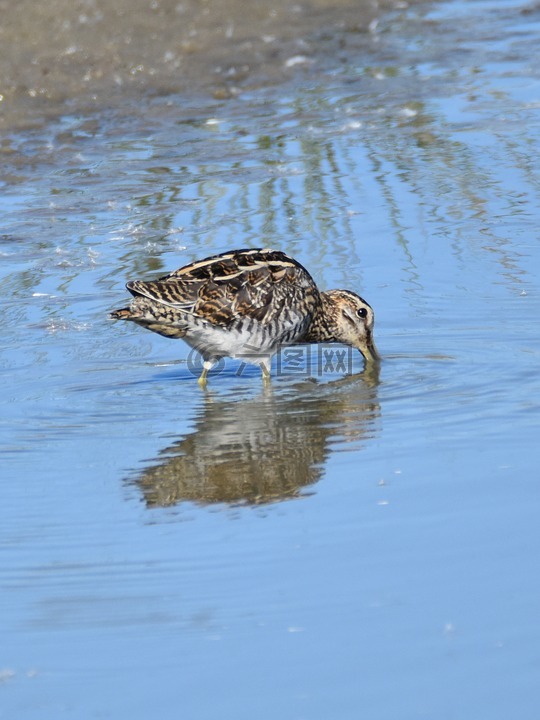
248 304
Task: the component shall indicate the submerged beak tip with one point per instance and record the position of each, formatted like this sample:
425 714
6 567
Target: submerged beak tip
370 353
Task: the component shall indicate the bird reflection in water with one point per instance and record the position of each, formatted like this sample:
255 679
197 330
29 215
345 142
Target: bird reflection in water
264 449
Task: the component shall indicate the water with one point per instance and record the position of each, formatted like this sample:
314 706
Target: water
348 545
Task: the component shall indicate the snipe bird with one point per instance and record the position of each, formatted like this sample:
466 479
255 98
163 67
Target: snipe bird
248 304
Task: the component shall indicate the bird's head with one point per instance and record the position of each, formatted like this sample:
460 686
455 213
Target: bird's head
352 322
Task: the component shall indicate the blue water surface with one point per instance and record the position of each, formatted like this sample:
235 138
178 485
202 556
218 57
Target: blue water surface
343 545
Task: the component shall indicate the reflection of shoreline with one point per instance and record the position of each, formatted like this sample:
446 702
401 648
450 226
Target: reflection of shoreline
264 449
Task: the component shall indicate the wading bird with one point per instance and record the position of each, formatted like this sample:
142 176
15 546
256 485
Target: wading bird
248 304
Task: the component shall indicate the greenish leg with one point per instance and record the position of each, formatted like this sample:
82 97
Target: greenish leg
265 368
207 365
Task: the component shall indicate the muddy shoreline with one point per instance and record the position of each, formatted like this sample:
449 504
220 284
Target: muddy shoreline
61 57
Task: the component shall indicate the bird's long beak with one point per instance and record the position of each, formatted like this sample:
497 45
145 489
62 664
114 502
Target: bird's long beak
368 349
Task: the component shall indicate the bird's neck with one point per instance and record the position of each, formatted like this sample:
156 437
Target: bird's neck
321 328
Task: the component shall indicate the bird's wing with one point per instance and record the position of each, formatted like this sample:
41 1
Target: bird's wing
235 285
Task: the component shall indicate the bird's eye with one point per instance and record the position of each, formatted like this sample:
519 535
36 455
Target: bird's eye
362 313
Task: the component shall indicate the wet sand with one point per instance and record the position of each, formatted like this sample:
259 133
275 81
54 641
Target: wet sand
66 57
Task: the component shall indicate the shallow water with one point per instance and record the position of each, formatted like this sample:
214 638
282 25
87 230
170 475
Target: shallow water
342 544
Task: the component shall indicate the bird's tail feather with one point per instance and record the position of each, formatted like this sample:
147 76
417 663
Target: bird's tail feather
122 314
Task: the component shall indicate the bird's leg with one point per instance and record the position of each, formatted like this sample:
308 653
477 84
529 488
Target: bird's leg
207 365
265 368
